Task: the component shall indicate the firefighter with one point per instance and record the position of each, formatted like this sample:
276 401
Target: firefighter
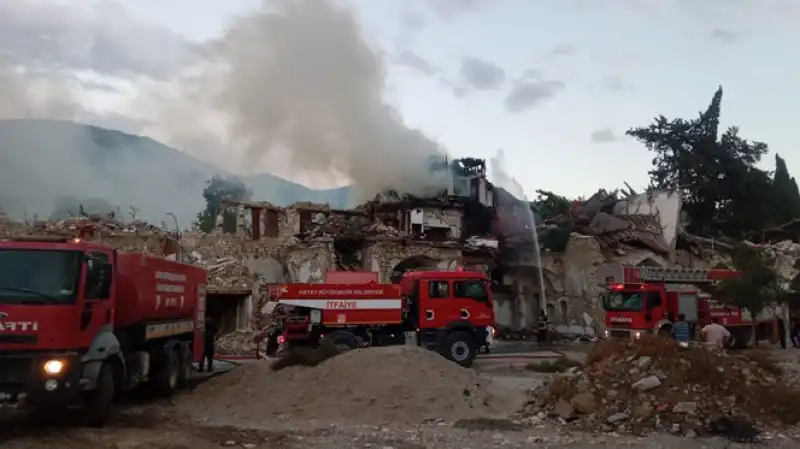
209 346
542 328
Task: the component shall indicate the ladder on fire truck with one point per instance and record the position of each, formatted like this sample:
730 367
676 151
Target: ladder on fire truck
623 274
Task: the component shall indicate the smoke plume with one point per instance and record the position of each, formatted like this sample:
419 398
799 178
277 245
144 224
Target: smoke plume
297 86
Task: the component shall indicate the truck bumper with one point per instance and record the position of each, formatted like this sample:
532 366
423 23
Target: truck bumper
25 382
623 334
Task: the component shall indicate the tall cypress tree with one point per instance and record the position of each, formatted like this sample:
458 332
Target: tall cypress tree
786 193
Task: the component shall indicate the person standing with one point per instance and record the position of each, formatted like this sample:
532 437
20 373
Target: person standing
681 329
795 333
715 335
542 328
209 344
782 332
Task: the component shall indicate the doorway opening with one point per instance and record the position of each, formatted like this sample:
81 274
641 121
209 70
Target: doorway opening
229 310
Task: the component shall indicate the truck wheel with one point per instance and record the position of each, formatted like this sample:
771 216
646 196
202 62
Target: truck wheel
99 400
343 340
460 347
740 338
166 380
185 370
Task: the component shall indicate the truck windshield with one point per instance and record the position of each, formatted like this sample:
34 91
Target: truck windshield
30 276
627 301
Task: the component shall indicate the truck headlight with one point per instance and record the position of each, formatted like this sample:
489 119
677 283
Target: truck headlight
53 366
606 333
637 334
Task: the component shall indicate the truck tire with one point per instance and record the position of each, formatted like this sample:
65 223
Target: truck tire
185 369
166 378
741 338
98 401
343 340
460 347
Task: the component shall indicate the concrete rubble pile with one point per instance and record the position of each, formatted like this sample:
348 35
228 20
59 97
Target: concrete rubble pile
655 385
238 342
349 225
77 226
228 274
602 217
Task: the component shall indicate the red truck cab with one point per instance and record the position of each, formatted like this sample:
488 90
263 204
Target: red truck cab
643 300
80 321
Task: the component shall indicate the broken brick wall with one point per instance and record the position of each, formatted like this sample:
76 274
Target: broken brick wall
387 257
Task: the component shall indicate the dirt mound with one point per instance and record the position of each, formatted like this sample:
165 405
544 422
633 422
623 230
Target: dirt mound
376 385
654 384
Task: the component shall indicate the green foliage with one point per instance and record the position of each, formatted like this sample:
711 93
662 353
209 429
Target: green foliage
787 195
724 193
556 239
70 206
759 285
219 189
550 204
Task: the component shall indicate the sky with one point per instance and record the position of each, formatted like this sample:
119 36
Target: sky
552 85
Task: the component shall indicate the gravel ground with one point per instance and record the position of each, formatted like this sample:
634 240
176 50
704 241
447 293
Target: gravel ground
161 425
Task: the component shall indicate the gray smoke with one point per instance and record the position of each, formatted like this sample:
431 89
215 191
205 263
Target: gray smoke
300 86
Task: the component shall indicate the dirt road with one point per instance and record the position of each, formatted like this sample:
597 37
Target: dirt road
135 431
170 425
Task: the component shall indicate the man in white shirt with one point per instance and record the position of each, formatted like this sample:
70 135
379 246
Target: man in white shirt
715 335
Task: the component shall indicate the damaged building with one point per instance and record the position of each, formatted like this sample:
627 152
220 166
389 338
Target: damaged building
535 262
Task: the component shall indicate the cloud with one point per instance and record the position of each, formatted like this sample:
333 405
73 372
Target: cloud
604 135
725 36
525 95
102 37
413 20
481 75
562 50
451 9
410 59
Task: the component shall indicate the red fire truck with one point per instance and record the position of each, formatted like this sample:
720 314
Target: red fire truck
80 321
450 312
649 299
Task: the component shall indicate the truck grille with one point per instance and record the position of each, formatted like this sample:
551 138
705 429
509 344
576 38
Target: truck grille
14 370
620 334
19 339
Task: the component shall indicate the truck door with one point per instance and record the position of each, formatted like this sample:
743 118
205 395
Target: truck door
471 297
96 310
436 305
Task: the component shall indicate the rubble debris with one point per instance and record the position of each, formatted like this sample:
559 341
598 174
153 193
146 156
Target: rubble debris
238 342
655 385
399 384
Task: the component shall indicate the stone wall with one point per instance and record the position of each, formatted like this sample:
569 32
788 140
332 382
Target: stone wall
384 257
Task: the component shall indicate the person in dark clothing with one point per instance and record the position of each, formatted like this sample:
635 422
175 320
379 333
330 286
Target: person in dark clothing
542 328
782 332
209 346
795 333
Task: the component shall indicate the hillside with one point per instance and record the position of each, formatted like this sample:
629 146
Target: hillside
41 160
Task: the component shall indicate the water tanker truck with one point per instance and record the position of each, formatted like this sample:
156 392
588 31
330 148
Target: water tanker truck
80 322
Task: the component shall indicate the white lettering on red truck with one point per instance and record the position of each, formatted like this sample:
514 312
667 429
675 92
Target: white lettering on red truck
340 292
620 319
19 326
341 305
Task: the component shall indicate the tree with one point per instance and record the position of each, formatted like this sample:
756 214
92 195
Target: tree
71 206
786 193
550 204
219 189
758 287
723 191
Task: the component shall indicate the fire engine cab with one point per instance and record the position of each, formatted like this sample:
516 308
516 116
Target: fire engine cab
649 299
450 312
